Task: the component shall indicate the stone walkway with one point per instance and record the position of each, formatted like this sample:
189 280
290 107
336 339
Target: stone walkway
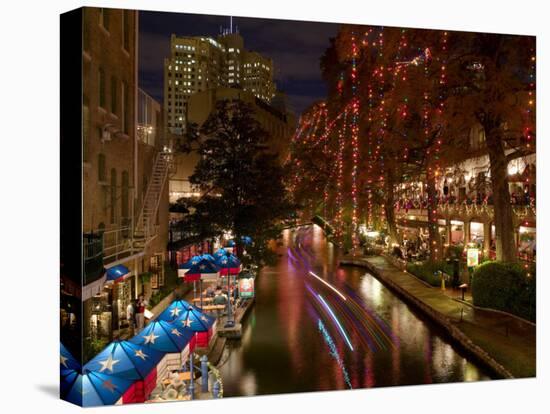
510 341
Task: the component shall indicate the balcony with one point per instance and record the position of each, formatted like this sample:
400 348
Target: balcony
466 212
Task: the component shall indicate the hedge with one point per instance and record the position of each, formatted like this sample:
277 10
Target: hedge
509 287
428 271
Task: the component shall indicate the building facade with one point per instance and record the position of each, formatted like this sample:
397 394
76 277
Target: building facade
465 211
278 123
198 63
125 186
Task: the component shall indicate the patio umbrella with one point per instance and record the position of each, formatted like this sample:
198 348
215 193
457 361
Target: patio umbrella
163 337
204 269
194 320
69 370
219 253
96 388
67 363
172 312
209 257
229 264
184 267
127 360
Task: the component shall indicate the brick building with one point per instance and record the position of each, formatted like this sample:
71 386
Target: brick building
125 185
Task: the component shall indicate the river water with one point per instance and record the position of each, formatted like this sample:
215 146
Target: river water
316 326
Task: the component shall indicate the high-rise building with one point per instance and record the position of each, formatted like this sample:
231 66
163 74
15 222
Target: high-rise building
200 63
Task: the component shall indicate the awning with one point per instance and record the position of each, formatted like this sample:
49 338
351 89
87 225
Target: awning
117 272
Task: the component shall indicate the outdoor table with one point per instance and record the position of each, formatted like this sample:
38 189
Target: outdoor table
184 376
197 300
213 307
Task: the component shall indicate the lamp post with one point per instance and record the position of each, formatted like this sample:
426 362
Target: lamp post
229 322
191 377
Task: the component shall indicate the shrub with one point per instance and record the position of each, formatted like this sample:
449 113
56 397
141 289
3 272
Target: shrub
455 252
509 287
428 271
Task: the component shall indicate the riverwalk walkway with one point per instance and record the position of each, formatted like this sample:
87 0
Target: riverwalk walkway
505 343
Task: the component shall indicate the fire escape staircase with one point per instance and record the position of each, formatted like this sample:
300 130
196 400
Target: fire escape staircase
146 229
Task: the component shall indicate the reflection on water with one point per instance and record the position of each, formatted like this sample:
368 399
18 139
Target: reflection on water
295 338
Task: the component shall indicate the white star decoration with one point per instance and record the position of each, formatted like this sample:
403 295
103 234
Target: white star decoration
204 318
64 361
176 332
108 363
150 339
187 322
202 267
141 354
175 312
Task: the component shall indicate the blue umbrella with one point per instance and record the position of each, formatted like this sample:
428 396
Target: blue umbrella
219 253
209 257
194 320
95 388
172 312
125 360
229 264
184 267
67 362
203 269
247 240
163 337
69 370
231 243
117 272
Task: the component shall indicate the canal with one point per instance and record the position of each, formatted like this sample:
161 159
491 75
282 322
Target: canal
316 326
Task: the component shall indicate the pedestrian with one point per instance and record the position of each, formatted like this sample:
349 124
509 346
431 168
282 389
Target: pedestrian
130 316
140 312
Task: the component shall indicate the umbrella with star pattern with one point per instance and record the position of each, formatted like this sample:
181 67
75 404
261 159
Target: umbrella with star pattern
204 269
184 267
125 360
163 337
172 312
96 388
229 264
194 320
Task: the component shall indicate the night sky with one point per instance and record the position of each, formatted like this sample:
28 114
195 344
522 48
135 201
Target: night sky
295 47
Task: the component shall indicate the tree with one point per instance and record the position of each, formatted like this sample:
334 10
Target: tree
492 86
241 183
